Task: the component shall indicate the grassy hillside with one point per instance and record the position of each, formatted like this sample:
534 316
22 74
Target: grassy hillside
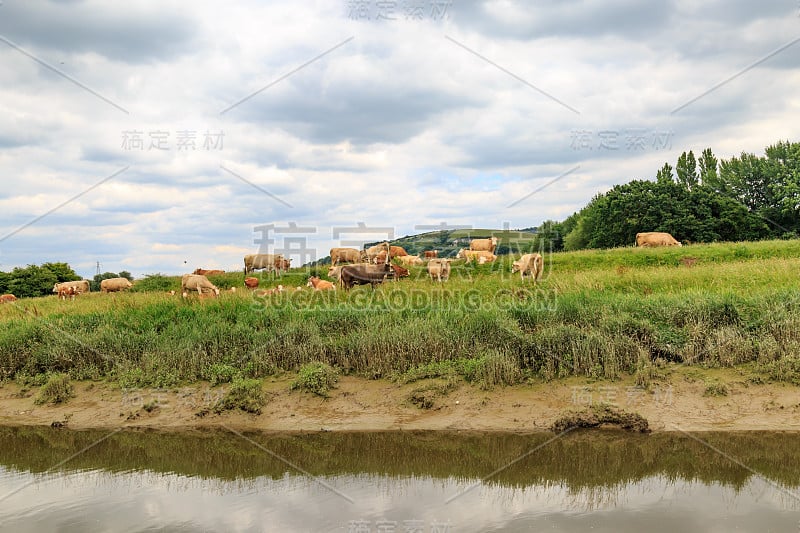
595 313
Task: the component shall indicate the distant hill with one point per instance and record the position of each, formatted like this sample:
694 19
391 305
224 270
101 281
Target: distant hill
448 242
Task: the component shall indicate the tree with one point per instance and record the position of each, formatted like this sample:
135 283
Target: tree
708 169
686 170
664 174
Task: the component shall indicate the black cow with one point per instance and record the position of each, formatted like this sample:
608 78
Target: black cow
363 274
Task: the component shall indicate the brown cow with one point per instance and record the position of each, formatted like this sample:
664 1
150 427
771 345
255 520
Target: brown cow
410 259
400 272
270 262
115 284
320 284
396 251
345 255
373 251
476 255
204 272
251 283
81 286
656 238
363 274
439 269
67 292
7 298
431 254
196 282
532 263
485 245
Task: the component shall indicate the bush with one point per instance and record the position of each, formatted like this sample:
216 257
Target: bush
318 378
244 394
58 389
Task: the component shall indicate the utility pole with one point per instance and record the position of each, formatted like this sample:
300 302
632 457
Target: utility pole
98 269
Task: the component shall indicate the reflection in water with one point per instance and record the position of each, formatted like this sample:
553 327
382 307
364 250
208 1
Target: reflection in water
216 481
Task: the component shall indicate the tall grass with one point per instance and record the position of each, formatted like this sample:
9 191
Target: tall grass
601 314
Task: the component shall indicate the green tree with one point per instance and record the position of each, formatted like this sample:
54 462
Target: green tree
708 169
665 174
686 170
31 281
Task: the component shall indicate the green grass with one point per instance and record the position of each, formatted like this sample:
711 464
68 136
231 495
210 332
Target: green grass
599 314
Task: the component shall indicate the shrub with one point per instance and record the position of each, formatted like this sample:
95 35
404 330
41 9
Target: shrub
244 394
316 377
58 389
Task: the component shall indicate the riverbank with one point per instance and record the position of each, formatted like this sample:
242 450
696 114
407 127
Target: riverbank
687 399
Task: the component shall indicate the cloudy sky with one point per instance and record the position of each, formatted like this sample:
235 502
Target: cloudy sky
165 136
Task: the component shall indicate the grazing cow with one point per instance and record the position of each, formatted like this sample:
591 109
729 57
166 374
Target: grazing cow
485 245
199 283
431 254
373 251
203 272
532 263
81 286
335 273
7 298
410 259
400 272
363 274
320 284
115 285
345 255
251 283
268 262
67 292
480 256
656 238
439 269
380 258
396 251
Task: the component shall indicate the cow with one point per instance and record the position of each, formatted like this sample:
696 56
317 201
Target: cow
269 262
81 286
485 245
396 251
363 274
335 272
431 254
532 263
199 283
251 283
345 255
380 258
67 292
439 269
373 251
656 238
204 272
399 272
320 284
7 298
115 284
480 256
410 259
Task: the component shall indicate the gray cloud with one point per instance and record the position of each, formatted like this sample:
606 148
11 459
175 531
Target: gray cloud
130 35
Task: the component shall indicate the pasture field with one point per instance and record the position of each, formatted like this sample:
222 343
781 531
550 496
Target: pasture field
598 314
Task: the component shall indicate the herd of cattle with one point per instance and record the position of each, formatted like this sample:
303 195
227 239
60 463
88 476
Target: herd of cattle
371 266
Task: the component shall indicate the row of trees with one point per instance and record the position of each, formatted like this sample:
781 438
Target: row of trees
38 280
704 200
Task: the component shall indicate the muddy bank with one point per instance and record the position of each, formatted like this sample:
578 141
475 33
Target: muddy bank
689 400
